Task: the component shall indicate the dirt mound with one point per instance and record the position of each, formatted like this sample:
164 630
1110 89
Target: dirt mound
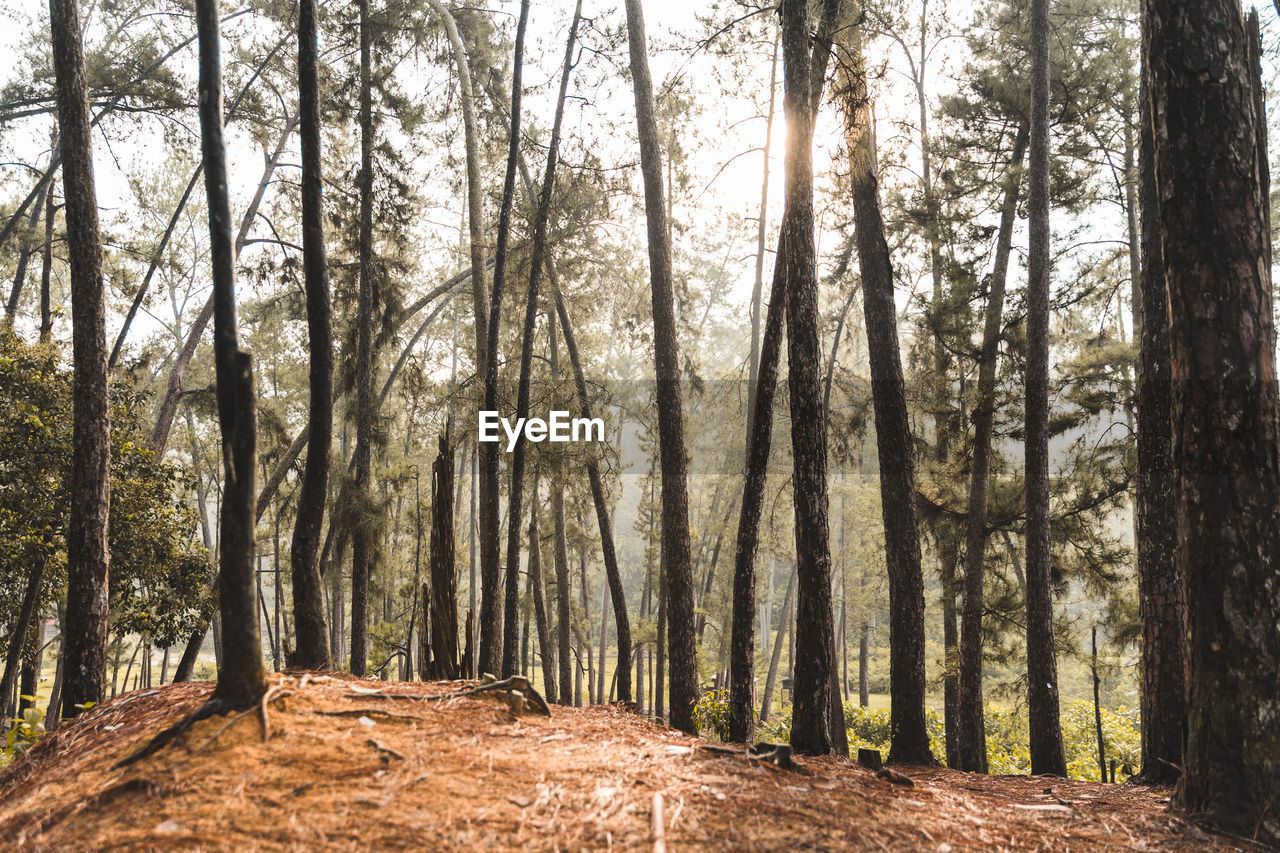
345 767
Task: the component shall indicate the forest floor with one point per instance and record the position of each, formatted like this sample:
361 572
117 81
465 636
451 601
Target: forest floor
344 768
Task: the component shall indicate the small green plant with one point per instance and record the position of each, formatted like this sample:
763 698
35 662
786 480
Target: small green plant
27 731
711 715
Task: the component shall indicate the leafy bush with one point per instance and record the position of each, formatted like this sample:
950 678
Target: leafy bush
711 715
27 731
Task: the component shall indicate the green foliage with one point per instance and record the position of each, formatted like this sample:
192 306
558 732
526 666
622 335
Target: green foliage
711 714
158 574
27 731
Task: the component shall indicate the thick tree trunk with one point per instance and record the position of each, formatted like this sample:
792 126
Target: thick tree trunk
1162 600
910 740
666 349
1042 658
242 678
761 397
1226 432
491 624
812 730
87 554
971 737
310 626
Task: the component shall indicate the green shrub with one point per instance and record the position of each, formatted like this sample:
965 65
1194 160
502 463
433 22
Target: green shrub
711 715
27 731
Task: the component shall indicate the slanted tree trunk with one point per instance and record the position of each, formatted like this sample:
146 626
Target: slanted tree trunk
87 554
491 624
1042 658
515 494
1162 600
910 740
444 578
971 737
19 631
666 348
361 557
242 678
310 626
24 254
173 390
1212 195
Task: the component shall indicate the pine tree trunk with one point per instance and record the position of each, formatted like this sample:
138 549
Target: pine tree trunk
515 494
1212 191
666 348
813 729
87 554
971 737
242 678
1042 659
444 581
20 630
491 623
910 740
310 627
1161 599
361 558
24 255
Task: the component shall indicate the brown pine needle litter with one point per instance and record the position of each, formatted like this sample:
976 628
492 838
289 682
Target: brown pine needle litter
345 768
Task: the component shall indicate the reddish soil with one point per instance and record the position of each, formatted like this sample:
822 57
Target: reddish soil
344 769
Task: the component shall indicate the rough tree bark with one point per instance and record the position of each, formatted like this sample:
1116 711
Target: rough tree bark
759 438
971 736
87 554
1212 195
310 627
242 678
666 351
1042 659
1161 599
444 580
812 729
910 740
